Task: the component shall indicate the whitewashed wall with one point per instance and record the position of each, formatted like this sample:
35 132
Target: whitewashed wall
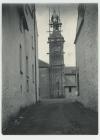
87 58
12 97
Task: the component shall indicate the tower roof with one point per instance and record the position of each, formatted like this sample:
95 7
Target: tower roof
55 21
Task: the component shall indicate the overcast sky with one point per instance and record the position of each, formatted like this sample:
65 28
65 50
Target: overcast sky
68 16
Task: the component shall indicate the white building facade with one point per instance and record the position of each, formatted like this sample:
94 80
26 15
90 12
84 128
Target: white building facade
20 86
87 54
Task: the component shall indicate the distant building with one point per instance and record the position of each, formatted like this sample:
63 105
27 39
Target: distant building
71 83
56 57
19 58
44 87
87 54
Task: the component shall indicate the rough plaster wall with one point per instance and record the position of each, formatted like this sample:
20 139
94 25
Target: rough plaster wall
31 60
12 97
33 33
30 35
44 83
37 65
87 58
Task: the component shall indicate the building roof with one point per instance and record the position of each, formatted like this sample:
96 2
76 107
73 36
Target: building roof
69 83
70 70
43 64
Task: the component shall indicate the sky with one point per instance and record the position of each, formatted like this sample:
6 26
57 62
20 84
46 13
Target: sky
68 15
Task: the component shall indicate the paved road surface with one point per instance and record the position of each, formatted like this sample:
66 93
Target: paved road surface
54 118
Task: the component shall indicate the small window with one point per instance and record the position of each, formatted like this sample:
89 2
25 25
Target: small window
27 85
20 59
27 75
32 43
27 67
70 89
21 89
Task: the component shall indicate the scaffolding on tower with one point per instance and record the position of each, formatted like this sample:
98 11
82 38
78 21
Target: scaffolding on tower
56 59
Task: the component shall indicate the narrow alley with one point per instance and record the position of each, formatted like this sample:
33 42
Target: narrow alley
49 69
54 118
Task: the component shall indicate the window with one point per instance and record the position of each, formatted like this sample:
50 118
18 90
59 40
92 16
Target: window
70 89
21 89
32 43
20 59
27 85
27 67
33 73
27 75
